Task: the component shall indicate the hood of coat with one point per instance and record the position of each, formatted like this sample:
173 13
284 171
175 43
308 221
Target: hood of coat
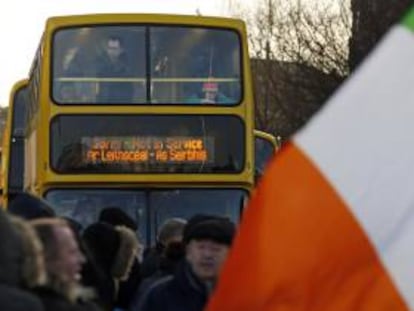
127 251
11 252
112 248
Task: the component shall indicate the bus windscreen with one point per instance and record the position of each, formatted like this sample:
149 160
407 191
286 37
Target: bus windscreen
140 64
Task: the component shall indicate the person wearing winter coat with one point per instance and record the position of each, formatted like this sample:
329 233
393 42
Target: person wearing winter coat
115 216
171 231
13 293
33 270
113 250
63 261
207 239
169 262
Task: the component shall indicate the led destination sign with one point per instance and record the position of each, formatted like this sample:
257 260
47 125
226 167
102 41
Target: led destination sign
144 144
153 149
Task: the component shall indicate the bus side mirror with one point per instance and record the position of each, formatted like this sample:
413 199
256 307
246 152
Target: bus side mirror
264 150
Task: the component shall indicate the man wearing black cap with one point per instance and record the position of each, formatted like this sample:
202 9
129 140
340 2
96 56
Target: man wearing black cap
208 239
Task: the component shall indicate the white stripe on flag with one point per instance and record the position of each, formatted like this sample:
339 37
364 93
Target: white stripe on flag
363 143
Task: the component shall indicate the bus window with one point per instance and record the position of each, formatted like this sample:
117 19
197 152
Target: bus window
99 65
84 206
111 65
15 161
19 113
207 63
185 203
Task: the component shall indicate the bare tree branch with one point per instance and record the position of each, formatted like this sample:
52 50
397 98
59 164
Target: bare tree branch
299 56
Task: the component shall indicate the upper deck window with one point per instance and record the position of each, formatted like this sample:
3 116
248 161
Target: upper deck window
138 64
19 112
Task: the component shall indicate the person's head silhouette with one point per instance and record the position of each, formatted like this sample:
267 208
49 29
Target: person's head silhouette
210 91
113 48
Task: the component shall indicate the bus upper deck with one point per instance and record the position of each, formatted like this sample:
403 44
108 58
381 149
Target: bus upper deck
146 63
174 58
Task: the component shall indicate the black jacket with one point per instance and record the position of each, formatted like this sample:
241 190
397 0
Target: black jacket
53 301
15 299
181 292
151 262
169 261
128 288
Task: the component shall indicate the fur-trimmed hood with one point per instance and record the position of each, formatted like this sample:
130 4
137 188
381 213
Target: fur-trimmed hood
112 248
127 251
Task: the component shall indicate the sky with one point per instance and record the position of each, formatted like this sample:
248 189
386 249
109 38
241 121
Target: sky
22 23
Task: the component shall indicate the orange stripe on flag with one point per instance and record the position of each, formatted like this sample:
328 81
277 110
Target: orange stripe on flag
300 248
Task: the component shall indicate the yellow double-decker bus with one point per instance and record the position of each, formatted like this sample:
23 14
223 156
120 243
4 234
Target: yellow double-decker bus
149 113
12 167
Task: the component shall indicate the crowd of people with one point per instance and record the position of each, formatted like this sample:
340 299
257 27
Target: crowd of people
52 263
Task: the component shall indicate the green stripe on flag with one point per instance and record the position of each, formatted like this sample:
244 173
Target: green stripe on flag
408 19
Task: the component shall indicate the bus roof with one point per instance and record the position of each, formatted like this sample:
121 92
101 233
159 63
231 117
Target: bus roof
16 86
63 21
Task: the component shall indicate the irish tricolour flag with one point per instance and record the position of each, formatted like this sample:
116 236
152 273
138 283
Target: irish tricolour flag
331 226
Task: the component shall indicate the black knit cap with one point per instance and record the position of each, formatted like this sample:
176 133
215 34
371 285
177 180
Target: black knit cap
209 227
103 241
115 216
29 206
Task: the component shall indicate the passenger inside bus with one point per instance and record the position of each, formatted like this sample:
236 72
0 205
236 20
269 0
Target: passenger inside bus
210 94
113 63
68 93
73 68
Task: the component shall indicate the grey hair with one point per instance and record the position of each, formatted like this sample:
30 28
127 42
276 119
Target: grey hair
33 274
170 228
